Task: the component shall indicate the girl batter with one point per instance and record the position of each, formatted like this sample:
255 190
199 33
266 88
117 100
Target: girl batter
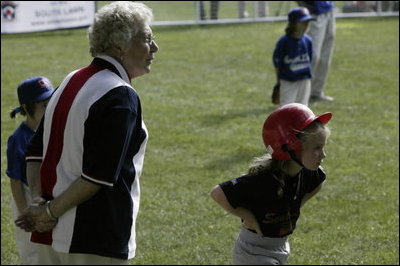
269 197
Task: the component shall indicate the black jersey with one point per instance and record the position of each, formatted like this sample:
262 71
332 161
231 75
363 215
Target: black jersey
274 202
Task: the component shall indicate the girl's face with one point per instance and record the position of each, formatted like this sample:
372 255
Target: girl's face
313 151
40 107
301 27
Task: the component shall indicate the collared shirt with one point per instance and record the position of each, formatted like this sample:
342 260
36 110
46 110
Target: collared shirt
93 129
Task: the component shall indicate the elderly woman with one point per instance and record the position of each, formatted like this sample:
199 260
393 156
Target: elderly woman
90 148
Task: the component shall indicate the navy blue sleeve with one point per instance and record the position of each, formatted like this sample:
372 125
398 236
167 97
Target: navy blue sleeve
309 46
15 160
277 55
109 130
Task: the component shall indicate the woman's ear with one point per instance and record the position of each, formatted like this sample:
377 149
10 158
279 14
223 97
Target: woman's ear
116 51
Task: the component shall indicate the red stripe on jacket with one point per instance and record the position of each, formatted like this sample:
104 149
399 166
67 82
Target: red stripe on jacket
48 173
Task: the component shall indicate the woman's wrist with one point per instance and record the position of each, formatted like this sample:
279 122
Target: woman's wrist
49 213
38 200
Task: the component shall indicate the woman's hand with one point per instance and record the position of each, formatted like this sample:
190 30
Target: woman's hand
35 218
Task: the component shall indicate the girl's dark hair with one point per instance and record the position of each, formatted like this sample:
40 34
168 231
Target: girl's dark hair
29 108
265 162
290 28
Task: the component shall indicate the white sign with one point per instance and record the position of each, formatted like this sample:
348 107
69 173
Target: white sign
33 16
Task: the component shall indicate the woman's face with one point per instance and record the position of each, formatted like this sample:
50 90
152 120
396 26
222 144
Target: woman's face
313 152
140 54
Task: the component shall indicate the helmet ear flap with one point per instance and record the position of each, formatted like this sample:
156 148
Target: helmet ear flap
285 148
292 153
293 147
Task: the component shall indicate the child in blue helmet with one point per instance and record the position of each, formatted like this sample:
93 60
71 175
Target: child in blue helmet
33 95
269 197
292 59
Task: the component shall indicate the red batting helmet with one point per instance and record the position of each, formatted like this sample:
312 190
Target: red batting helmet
282 126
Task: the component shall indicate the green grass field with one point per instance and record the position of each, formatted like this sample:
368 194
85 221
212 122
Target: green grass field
204 104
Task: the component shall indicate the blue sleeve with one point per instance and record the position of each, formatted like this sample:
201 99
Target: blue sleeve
277 55
309 46
109 130
15 160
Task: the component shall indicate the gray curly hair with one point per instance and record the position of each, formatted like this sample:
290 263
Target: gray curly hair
116 24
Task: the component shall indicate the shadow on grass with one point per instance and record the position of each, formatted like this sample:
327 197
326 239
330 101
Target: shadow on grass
220 118
239 156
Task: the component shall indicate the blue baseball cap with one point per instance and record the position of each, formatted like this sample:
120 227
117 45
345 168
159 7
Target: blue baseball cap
35 89
299 14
